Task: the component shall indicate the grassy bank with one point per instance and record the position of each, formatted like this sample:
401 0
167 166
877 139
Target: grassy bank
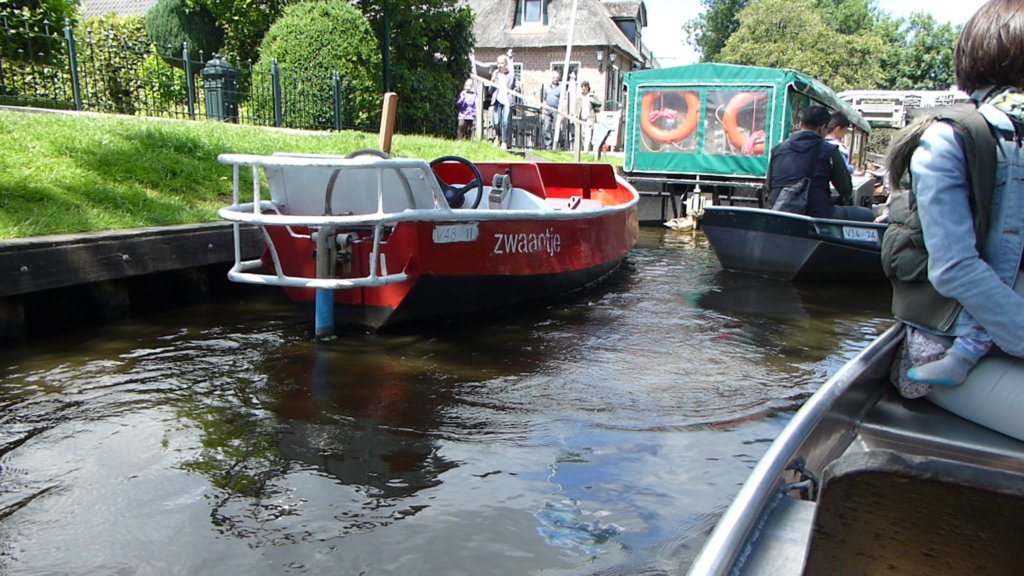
72 173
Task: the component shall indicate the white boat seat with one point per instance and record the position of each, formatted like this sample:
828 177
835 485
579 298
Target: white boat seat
863 191
992 396
302 190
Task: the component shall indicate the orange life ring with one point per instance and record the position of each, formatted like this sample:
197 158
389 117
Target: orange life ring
729 118
682 129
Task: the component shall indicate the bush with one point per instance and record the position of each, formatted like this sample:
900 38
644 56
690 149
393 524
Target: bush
311 41
166 87
170 24
111 50
430 44
38 24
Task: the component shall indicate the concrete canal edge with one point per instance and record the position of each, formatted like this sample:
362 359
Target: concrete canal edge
49 282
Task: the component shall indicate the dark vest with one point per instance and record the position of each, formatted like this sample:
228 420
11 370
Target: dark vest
904 254
804 155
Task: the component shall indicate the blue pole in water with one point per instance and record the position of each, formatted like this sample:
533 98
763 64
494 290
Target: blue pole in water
325 257
324 313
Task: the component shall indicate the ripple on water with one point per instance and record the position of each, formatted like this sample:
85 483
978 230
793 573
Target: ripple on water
604 433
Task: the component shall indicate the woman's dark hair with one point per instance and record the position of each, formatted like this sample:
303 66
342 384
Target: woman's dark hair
990 50
814 117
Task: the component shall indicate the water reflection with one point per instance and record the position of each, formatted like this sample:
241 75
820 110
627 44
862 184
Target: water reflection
363 419
786 320
603 433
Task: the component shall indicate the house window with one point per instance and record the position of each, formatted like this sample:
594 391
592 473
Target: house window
530 12
574 69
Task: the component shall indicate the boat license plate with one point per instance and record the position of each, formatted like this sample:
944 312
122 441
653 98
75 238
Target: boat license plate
456 233
860 234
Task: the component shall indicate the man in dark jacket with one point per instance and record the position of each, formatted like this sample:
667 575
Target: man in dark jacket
806 154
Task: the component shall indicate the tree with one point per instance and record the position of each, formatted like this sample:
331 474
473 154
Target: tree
429 44
792 34
170 24
921 53
848 16
312 40
244 22
31 21
709 31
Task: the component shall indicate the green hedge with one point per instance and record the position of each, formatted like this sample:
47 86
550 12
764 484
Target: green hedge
318 39
170 24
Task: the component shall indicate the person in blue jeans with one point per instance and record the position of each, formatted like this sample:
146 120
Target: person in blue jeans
989 65
551 96
504 78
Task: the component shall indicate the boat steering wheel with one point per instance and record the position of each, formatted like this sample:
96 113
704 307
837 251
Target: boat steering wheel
456 195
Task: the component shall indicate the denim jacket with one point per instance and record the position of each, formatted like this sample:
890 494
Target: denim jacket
983 284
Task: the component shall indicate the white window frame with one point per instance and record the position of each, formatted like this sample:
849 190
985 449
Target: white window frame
540 13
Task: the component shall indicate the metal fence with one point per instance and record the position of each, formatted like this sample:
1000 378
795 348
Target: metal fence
113 72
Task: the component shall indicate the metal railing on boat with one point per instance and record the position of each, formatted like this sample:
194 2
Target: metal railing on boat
324 227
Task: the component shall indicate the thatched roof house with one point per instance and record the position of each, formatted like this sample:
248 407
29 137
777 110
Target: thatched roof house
606 40
91 8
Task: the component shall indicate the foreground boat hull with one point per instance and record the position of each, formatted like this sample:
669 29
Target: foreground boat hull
862 481
793 247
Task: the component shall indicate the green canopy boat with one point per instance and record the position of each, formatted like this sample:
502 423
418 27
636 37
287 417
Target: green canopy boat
710 127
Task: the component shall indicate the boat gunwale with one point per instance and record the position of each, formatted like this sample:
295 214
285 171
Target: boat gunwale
267 212
730 537
803 217
246 213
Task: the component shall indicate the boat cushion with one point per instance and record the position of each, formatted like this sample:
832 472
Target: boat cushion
992 396
302 190
883 512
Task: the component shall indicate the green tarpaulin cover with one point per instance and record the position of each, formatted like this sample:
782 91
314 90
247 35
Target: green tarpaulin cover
717 119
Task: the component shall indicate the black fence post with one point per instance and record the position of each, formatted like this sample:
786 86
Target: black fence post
189 80
76 88
275 81
5 48
336 82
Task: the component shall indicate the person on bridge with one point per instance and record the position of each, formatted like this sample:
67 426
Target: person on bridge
586 110
504 78
806 154
551 96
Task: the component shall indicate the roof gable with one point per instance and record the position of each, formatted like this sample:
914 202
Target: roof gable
495 24
91 8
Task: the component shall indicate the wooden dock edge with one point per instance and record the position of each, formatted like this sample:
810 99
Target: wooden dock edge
98 270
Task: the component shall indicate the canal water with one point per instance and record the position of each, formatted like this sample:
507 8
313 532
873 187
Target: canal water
603 434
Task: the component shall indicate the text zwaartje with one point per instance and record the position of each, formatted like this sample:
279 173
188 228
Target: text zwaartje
544 242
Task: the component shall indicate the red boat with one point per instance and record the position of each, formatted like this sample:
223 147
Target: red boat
376 242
